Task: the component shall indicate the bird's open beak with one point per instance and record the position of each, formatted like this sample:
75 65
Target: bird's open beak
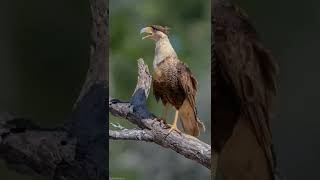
147 30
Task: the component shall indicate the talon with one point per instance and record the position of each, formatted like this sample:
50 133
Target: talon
173 128
174 125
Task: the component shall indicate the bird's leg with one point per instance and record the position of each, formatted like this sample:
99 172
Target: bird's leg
174 125
165 113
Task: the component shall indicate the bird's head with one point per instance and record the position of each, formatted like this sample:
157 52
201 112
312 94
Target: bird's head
155 32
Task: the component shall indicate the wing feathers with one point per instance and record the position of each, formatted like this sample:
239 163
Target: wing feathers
188 110
252 73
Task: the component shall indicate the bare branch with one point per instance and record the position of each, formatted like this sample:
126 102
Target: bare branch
118 126
132 134
136 112
144 77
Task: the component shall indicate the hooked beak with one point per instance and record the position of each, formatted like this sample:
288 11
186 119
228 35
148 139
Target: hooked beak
147 30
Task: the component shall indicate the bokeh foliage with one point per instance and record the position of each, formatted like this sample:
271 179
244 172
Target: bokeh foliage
190 35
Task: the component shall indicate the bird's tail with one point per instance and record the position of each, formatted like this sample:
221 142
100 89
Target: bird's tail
201 125
189 120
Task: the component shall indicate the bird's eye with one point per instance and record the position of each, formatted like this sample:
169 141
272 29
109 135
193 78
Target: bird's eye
154 29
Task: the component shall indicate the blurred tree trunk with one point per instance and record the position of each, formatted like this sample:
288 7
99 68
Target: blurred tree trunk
78 150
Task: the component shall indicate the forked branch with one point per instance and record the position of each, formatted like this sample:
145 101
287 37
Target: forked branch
151 128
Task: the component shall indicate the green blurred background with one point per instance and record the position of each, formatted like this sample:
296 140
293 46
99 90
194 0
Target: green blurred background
190 35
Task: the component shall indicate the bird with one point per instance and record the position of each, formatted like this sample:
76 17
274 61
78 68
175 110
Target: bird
173 82
245 83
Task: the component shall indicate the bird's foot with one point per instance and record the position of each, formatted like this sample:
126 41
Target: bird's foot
162 122
173 128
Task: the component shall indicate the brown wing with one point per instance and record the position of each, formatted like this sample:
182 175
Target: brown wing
188 110
188 83
158 87
249 70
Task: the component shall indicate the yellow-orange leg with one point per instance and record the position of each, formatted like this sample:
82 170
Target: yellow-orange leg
174 125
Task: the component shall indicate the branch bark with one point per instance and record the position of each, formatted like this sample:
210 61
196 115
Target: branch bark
132 134
154 130
78 150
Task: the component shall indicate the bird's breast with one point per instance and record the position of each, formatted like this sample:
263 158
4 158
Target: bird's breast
157 74
166 84
167 73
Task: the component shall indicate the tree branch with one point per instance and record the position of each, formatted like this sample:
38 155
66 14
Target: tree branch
153 129
132 134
